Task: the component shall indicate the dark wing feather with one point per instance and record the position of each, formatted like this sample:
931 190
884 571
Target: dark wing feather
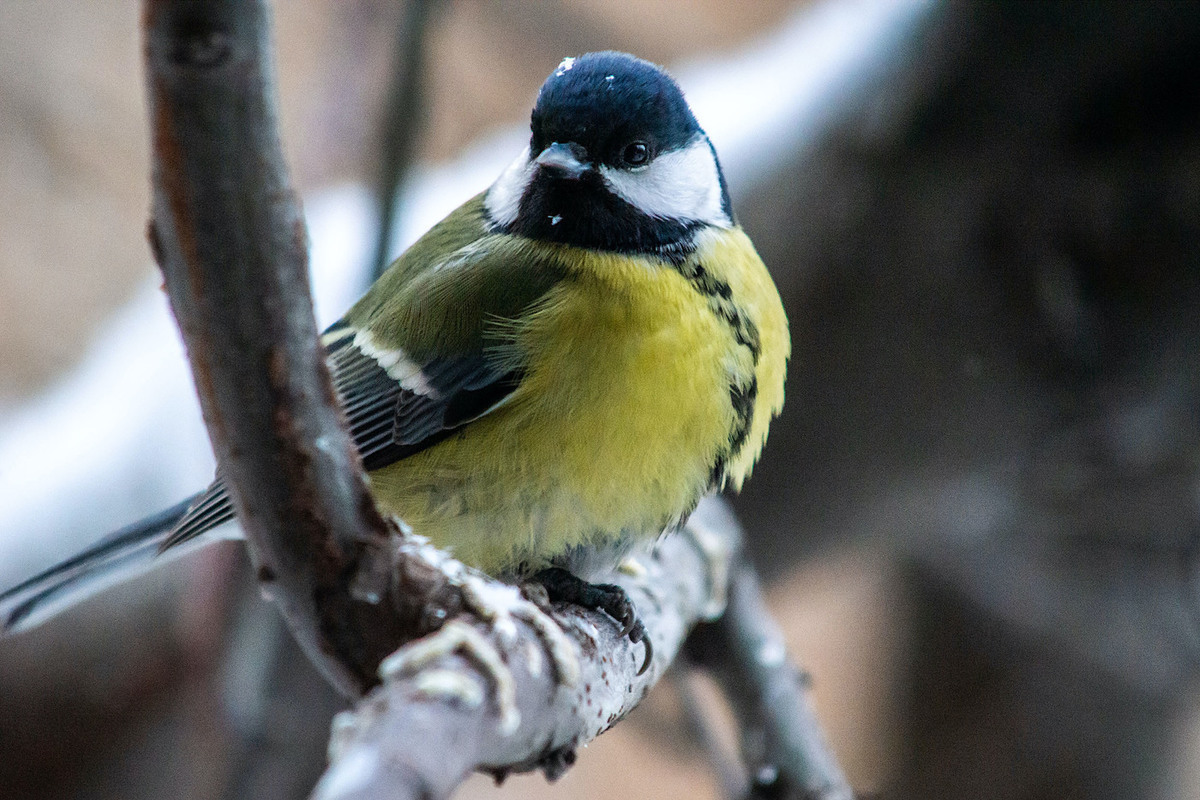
387 421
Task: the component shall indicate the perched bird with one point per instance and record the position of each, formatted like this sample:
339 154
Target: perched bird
565 364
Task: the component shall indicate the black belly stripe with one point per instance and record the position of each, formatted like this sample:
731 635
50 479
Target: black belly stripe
742 396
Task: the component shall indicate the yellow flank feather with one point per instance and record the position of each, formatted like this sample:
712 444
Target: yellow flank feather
754 292
623 416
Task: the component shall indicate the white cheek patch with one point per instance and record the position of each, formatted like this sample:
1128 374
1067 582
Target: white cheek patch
397 364
681 184
503 199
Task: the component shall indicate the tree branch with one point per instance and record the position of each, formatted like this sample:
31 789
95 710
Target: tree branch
228 234
401 120
703 724
783 744
426 729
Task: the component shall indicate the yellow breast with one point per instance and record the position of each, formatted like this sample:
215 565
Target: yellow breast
624 412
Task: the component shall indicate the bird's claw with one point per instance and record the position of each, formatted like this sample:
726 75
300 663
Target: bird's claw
559 584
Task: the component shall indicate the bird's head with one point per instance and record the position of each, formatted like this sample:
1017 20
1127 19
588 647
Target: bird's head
616 161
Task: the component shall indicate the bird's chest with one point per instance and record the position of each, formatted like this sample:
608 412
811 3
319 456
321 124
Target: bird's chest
620 417
635 377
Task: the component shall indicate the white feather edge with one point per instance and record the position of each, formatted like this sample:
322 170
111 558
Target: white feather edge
396 363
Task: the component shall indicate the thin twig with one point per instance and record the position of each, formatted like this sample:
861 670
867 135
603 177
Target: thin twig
783 744
702 724
401 120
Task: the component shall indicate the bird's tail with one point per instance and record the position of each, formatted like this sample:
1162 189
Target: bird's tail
116 557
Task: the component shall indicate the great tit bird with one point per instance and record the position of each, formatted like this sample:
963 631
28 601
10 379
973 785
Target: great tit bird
567 363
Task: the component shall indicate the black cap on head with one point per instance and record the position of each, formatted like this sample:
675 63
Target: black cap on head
597 175
603 101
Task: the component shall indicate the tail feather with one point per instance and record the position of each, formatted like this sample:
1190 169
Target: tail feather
114 558
208 509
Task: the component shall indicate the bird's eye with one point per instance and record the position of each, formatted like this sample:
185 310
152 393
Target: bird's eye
636 154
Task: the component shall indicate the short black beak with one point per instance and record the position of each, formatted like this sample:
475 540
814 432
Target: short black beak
564 160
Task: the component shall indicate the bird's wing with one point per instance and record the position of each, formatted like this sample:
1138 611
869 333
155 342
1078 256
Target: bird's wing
394 406
397 407
425 351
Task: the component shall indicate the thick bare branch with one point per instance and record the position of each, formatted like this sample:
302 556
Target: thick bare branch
228 234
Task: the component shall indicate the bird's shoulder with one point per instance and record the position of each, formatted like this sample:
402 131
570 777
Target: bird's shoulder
446 291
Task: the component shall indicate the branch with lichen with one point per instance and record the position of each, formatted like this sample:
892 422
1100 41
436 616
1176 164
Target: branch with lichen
481 694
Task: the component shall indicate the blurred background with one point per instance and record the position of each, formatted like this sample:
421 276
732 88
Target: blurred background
978 514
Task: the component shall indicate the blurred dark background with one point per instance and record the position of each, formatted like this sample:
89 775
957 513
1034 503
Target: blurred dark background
978 513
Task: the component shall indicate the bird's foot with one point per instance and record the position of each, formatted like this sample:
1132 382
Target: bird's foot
559 584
